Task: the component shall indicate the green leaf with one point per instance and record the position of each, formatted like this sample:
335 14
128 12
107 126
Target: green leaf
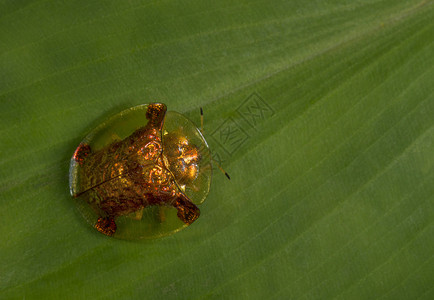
321 112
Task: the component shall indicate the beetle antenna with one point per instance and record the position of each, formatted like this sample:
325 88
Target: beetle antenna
201 120
220 168
217 164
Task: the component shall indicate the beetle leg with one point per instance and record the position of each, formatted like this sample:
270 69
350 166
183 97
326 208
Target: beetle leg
115 137
194 187
161 214
138 214
187 211
106 225
81 152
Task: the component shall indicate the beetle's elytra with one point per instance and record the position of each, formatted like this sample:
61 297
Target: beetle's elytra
142 173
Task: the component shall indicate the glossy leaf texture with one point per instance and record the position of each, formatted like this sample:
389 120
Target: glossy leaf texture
321 112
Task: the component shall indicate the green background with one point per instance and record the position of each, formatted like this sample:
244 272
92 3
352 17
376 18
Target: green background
332 192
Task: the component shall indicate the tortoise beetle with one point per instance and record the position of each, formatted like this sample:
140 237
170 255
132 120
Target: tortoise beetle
141 173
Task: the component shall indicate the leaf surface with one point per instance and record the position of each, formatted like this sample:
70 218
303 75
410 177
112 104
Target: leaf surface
321 112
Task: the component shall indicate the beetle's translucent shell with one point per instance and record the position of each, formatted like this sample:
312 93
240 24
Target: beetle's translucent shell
114 166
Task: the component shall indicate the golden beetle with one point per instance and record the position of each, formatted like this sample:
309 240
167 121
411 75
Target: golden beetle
141 173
